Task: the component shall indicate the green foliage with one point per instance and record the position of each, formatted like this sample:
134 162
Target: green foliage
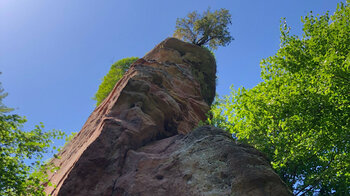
115 73
71 136
17 177
300 114
206 29
3 108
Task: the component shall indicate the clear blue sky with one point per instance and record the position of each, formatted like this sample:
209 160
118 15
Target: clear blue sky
53 54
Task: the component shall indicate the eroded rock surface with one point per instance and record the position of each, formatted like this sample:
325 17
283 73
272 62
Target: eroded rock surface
139 140
204 162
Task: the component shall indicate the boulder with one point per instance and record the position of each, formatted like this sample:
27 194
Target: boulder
206 161
139 140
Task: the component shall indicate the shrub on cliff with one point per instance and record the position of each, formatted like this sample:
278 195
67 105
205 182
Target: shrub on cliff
115 73
300 114
210 28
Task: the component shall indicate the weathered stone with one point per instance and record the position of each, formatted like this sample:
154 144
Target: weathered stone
204 162
139 140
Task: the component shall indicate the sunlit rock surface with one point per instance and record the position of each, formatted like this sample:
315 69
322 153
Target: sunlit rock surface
139 141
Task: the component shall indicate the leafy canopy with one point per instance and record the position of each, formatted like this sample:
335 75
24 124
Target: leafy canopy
3 108
115 73
17 177
300 114
206 29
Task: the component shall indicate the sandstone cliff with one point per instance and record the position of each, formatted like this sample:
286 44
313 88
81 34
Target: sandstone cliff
139 141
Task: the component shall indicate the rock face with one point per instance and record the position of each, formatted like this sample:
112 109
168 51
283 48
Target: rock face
139 141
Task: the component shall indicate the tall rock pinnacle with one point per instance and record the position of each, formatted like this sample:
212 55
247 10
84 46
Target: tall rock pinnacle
139 141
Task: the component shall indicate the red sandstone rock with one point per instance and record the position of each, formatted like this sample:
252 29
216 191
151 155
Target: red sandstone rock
204 162
135 142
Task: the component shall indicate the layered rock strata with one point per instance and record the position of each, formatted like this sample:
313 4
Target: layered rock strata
139 140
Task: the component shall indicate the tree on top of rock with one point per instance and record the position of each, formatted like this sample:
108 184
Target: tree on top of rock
210 28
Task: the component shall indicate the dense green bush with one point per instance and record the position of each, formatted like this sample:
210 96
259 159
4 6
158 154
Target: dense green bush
115 73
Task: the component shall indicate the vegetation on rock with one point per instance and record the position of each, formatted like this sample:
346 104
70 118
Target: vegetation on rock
210 28
300 114
115 73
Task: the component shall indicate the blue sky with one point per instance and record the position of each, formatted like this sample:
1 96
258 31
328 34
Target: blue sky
53 54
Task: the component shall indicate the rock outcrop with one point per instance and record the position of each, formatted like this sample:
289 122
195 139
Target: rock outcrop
139 141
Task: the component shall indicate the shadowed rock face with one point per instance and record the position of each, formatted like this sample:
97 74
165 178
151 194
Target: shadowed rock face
139 140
